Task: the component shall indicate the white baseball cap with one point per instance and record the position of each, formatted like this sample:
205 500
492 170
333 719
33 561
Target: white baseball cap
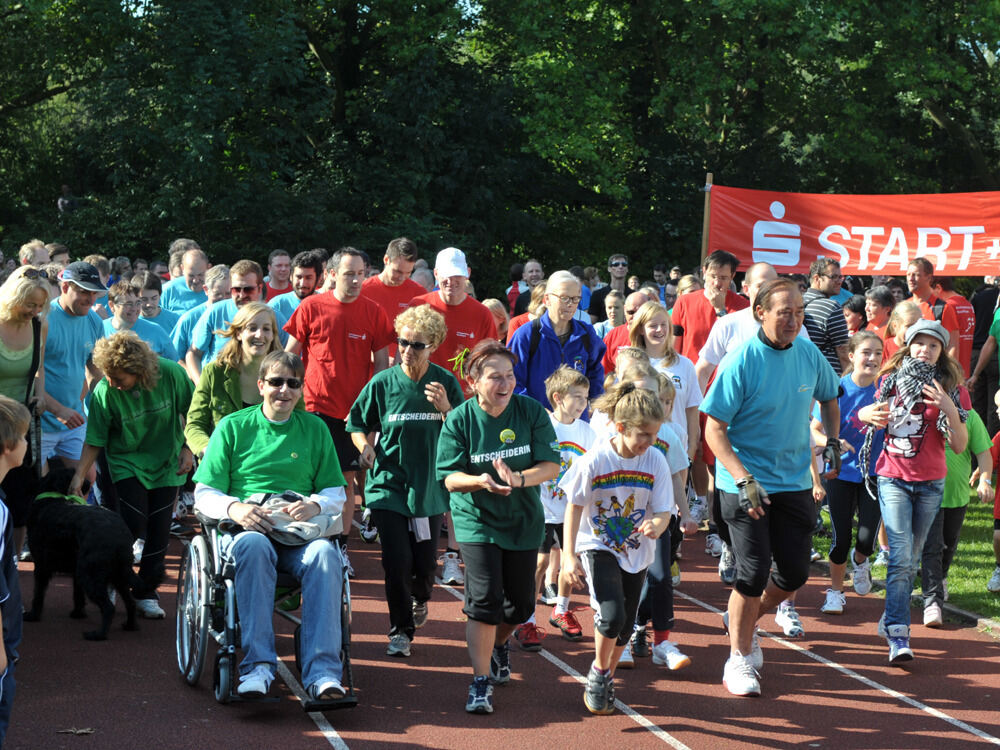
451 262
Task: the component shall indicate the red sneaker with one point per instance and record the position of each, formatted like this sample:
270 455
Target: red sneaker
528 637
569 626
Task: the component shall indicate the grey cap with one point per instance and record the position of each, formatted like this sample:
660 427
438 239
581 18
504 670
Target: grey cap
931 328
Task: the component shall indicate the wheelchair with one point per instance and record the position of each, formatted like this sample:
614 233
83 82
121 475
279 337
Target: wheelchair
206 610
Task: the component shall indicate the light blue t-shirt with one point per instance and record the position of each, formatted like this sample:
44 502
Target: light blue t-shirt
765 396
184 329
165 320
215 318
68 349
149 332
284 305
178 297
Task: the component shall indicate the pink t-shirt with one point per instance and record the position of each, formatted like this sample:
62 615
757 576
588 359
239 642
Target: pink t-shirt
914 447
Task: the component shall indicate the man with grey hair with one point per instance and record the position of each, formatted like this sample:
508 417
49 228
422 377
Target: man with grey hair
618 337
187 290
557 338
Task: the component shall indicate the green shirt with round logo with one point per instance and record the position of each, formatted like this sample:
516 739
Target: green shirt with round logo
248 453
522 436
402 479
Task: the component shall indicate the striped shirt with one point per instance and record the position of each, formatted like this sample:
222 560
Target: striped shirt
826 325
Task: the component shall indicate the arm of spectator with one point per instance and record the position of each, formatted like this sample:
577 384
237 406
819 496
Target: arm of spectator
845 362
718 441
364 446
193 362
380 358
94 375
984 468
211 502
986 355
294 345
955 344
703 369
87 458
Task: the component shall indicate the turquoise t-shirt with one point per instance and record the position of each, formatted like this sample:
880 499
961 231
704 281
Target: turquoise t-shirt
184 328
765 397
165 320
284 305
178 297
149 332
204 338
68 349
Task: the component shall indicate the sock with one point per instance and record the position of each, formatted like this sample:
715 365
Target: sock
453 550
562 604
659 636
600 671
702 499
786 605
530 619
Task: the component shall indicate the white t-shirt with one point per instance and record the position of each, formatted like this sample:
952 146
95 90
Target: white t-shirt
617 495
574 440
673 447
729 332
685 381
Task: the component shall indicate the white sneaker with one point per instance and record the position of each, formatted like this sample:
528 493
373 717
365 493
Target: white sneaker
739 676
399 645
326 689
713 545
727 565
150 609
667 654
698 506
861 576
452 570
994 585
788 620
625 661
756 652
933 617
137 547
834 604
256 683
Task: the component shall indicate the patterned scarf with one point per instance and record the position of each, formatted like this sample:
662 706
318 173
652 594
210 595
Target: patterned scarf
908 381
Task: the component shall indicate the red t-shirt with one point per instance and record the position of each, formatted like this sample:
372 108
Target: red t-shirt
617 338
270 294
948 317
694 314
469 322
337 345
878 330
966 316
516 322
392 299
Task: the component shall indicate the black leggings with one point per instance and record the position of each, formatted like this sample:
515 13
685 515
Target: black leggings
939 551
616 594
408 565
657 600
147 513
844 499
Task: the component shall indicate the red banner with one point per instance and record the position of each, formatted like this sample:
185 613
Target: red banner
868 234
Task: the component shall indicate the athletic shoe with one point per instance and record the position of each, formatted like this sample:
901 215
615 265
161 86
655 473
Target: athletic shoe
740 677
137 547
861 577
814 555
419 614
399 645
326 689
727 565
480 700
598 696
667 654
933 617
834 604
713 545
500 664
369 533
944 589
788 620
452 571
756 652
568 624
625 661
150 609
899 649
698 506
882 558
528 637
994 584
256 683
675 573
549 595
188 499
880 628
639 646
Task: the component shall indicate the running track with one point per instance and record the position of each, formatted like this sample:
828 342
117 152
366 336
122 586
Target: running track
832 689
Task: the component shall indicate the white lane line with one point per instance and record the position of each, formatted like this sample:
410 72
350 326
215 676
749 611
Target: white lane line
638 718
930 710
319 719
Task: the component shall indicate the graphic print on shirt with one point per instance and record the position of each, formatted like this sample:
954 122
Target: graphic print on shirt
568 450
906 430
617 523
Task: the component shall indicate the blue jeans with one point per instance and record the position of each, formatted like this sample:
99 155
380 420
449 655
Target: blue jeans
908 510
319 567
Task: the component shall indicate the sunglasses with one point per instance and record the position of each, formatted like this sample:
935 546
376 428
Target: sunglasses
619 264
415 345
243 289
293 383
32 273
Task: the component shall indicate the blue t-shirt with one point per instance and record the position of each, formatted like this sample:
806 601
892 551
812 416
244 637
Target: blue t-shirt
149 332
165 320
765 395
852 429
184 329
178 297
284 305
215 318
67 351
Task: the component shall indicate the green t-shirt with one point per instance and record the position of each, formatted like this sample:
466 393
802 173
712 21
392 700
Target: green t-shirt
470 440
141 430
391 404
248 454
956 481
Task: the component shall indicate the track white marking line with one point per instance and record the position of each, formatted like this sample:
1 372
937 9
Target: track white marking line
638 718
930 710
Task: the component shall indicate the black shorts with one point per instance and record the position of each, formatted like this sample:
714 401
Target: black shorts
347 454
553 536
784 534
499 583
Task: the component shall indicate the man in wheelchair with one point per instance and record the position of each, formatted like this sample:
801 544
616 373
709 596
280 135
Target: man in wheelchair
273 449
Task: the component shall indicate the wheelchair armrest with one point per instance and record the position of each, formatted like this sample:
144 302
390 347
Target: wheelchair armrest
225 525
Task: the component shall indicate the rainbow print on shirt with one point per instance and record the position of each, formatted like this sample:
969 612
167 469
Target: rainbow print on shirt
568 450
617 523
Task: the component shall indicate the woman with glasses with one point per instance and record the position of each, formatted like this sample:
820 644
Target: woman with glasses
405 406
229 383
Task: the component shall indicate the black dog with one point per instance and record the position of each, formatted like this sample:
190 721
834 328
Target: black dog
91 543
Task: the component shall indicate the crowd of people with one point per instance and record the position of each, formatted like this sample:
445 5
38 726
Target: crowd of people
568 433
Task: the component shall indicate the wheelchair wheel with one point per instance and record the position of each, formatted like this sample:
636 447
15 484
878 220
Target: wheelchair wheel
193 586
223 678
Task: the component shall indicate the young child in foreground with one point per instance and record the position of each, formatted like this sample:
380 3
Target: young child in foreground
620 500
14 421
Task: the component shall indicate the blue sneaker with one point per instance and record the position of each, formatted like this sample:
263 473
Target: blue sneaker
500 664
899 649
480 700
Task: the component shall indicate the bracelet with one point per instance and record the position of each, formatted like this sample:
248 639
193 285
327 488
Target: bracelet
987 479
521 475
